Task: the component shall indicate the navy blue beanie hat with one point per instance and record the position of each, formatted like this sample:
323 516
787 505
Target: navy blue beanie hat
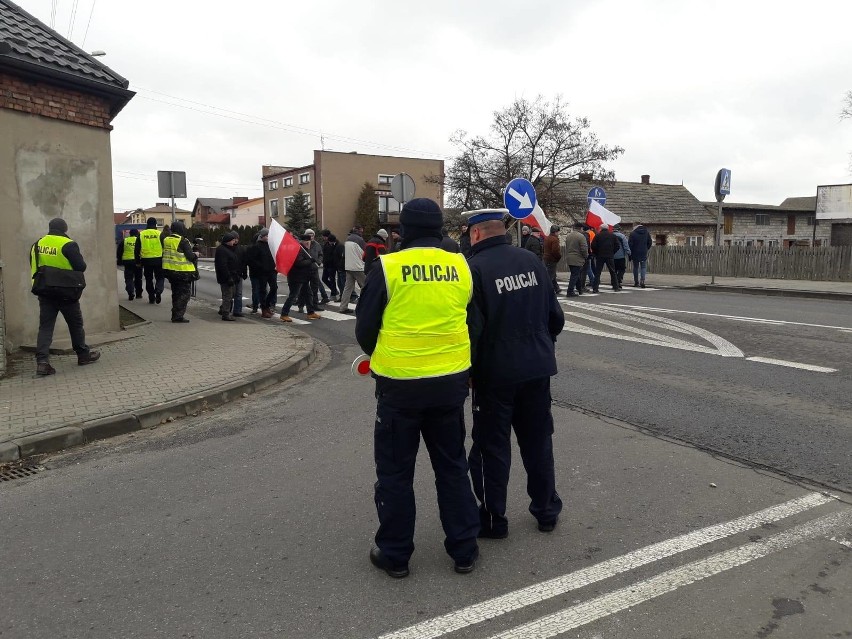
421 217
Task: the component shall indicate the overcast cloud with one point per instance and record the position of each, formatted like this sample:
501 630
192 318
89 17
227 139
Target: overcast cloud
685 87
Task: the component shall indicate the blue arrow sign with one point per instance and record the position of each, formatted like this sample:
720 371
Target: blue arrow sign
725 182
596 194
519 198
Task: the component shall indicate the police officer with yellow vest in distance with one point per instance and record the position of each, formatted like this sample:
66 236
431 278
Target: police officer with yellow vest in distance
151 254
128 254
514 320
58 251
412 320
179 267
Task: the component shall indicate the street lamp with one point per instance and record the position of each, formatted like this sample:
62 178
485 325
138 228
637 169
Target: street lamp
98 53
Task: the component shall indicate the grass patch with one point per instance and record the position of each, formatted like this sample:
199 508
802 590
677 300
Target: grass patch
128 318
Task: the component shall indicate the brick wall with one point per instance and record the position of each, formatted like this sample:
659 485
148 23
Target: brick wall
39 98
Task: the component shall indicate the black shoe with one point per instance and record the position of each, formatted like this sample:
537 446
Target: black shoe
44 368
571 294
301 309
490 533
129 298
594 290
151 299
383 563
254 309
347 311
642 284
547 526
228 318
325 301
319 308
158 297
635 284
180 320
464 567
88 358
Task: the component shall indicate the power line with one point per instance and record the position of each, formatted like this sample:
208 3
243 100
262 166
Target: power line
86 34
53 14
261 121
73 17
147 177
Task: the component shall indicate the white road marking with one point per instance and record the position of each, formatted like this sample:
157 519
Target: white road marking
337 317
842 542
784 362
515 600
720 346
758 320
671 580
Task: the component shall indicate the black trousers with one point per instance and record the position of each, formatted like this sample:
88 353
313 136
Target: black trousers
133 279
48 309
574 280
269 291
154 277
610 265
496 410
329 278
396 442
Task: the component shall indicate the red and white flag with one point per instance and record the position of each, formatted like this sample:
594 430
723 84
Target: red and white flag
539 219
597 216
284 247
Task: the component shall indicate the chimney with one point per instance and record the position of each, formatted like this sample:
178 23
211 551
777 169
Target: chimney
646 179
585 177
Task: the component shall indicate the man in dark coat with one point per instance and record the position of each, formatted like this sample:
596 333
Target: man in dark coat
605 245
298 278
464 240
513 321
261 266
228 271
533 242
329 270
640 243
448 243
375 247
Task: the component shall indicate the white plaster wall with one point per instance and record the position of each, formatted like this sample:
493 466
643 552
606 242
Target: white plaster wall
50 168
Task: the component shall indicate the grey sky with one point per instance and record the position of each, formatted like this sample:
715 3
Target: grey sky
685 87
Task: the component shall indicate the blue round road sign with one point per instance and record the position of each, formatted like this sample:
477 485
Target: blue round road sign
597 194
519 198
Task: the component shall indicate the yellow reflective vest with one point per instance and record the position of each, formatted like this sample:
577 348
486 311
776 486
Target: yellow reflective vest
424 325
129 252
151 245
50 253
173 257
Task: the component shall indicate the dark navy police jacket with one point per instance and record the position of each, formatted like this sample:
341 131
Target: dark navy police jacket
514 317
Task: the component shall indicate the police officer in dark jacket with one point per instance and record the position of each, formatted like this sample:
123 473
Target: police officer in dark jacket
514 319
412 321
605 246
128 255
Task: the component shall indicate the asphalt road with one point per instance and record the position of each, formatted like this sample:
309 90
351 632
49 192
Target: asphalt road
255 520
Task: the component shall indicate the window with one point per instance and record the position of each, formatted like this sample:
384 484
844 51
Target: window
810 220
287 202
273 185
791 224
695 240
761 219
304 178
728 224
385 179
773 243
388 205
288 181
273 208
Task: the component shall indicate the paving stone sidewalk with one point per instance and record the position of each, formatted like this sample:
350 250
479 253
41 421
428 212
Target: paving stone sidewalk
145 374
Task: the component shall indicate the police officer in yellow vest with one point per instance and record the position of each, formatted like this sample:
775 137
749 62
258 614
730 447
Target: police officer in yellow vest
411 319
57 250
179 266
128 255
151 255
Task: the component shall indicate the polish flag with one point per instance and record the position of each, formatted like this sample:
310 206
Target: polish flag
539 219
284 247
597 216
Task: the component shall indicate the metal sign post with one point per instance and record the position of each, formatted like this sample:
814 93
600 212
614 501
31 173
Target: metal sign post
402 188
721 189
171 184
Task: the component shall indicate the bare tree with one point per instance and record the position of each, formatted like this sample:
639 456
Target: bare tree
846 111
535 140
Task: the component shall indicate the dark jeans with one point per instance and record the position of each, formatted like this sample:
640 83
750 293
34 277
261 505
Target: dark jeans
237 304
587 270
610 265
396 442
154 278
640 268
295 290
620 267
269 291
330 280
256 288
316 290
48 309
573 281
341 281
132 279
496 411
551 271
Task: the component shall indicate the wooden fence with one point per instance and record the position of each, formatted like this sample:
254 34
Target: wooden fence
827 263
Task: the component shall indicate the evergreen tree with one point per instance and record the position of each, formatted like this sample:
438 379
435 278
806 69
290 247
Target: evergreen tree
367 210
299 214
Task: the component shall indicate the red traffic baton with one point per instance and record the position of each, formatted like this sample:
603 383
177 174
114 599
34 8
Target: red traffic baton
361 366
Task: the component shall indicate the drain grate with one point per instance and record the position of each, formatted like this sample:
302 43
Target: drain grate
19 472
